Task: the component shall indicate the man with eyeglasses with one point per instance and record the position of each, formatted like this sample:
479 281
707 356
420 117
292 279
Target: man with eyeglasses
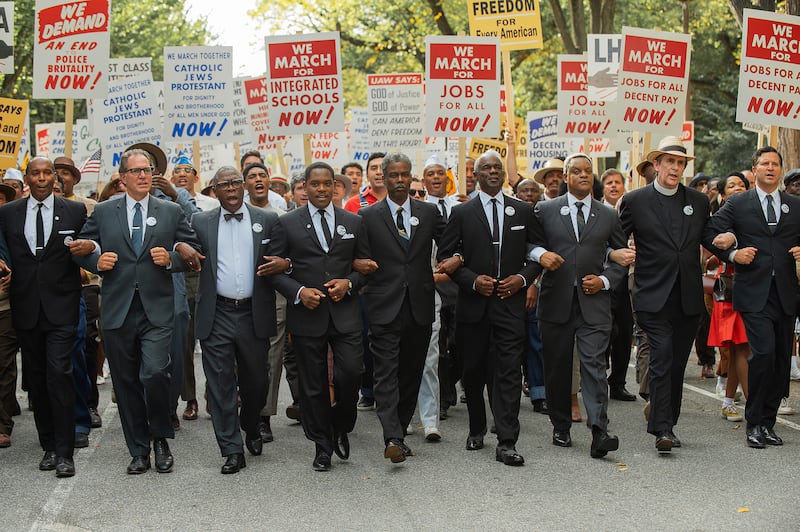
184 175
235 314
137 241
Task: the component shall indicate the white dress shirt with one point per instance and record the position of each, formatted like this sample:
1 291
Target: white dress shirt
131 210
316 220
406 214
235 261
47 219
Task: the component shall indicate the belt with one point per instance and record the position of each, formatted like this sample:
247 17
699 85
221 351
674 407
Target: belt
236 303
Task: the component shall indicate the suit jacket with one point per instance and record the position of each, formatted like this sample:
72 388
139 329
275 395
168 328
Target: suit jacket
400 270
468 233
206 225
660 259
294 237
51 282
602 231
742 215
108 226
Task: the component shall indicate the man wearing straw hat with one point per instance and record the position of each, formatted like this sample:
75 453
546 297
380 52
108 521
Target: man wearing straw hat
550 175
667 221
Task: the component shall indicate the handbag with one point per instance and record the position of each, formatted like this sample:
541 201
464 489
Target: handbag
709 280
723 287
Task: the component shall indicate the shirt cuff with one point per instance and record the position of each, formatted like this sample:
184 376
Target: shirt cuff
606 284
524 280
297 296
536 253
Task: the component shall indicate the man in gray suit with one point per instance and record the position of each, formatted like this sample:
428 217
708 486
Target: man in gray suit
575 300
132 243
231 300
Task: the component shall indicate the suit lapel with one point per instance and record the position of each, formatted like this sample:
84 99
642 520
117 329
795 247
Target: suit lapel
256 217
386 214
480 216
213 240
22 212
122 218
305 219
152 212
58 215
758 211
566 219
591 220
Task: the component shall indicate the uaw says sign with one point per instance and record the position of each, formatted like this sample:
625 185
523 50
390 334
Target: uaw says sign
462 98
305 84
653 80
769 76
70 49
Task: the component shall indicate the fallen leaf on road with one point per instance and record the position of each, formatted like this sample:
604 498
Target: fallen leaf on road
743 509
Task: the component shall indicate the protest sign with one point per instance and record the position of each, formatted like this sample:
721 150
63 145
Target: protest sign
12 128
255 92
330 148
70 49
6 37
242 132
462 97
128 115
517 23
603 66
51 140
128 67
769 74
577 115
653 81
396 112
305 83
543 140
198 93
687 135
360 141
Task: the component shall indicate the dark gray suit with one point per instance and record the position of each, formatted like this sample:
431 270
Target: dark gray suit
137 312
568 316
228 333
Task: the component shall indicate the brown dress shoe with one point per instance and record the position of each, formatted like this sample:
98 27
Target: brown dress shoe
190 414
5 440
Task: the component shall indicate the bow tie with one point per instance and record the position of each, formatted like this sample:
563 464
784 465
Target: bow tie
238 216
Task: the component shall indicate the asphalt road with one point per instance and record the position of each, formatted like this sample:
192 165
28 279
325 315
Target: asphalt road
714 482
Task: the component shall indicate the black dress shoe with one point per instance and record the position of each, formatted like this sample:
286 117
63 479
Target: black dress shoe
65 467
508 455
233 463
164 460
138 465
254 444
265 430
755 437
770 438
676 443
540 406
442 413
394 452
562 438
341 445
664 443
48 462
474 442
619 393
602 444
81 440
293 411
97 421
322 461
406 449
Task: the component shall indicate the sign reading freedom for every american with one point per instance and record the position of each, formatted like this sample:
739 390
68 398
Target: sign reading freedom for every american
518 23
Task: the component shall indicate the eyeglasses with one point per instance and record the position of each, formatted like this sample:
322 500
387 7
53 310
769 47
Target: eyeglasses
147 170
233 183
183 170
414 192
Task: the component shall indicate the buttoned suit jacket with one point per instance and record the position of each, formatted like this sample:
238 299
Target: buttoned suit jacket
206 225
742 215
51 282
400 270
661 259
165 226
584 257
294 237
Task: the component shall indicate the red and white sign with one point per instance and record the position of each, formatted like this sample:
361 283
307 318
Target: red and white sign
653 80
396 107
462 97
577 115
769 75
7 37
305 83
70 49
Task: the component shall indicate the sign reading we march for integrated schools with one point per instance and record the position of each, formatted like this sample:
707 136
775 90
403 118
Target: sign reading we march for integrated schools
462 97
70 49
517 23
769 76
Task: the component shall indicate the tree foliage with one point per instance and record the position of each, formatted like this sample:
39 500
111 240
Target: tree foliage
139 28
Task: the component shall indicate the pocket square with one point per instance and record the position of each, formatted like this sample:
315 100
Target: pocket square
66 232
348 236
266 241
518 228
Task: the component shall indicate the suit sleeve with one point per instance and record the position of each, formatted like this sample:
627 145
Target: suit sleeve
613 271
183 234
279 247
90 231
361 252
450 244
722 221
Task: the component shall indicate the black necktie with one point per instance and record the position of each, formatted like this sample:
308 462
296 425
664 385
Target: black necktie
401 226
496 237
580 218
39 230
444 210
772 220
136 230
237 215
325 229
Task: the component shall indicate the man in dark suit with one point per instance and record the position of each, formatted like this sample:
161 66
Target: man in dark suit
667 221
491 233
231 300
45 298
321 289
766 225
575 300
399 299
133 239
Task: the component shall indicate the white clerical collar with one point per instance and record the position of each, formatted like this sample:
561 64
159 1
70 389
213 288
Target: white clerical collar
664 190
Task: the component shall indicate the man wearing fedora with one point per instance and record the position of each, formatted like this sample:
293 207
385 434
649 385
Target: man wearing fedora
65 168
550 175
667 219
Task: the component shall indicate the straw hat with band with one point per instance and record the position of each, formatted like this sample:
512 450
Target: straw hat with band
670 145
549 166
